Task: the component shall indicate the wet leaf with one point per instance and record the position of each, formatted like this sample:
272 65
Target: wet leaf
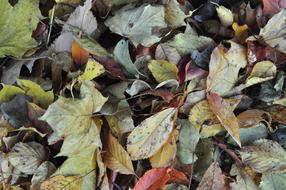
150 135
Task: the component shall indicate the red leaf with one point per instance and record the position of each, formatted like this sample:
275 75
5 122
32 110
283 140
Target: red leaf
153 179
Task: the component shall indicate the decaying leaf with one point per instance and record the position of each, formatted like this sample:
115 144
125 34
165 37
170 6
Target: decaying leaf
92 70
243 180
27 157
167 153
213 178
116 158
150 135
61 182
174 14
264 156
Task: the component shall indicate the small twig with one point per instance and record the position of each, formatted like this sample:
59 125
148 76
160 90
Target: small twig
51 25
229 152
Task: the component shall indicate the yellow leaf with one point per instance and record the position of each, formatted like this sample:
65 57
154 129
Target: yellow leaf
8 92
204 119
240 32
163 70
261 72
167 153
224 113
174 14
81 164
61 182
35 91
150 135
92 70
116 158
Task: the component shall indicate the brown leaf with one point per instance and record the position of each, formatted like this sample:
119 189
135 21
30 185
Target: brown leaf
213 179
271 7
225 115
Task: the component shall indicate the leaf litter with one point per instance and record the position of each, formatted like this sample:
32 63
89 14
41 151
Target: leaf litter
127 94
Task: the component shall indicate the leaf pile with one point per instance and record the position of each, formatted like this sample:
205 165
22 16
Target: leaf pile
143 95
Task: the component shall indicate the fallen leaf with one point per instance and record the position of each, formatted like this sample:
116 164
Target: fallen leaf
163 51
35 91
273 181
45 170
23 16
261 72
212 179
224 67
271 7
264 156
163 70
273 33
7 92
167 153
243 180
187 43
27 157
122 57
92 70
225 16
116 158
188 139
61 182
150 135
134 23
174 15
225 115
153 179
79 55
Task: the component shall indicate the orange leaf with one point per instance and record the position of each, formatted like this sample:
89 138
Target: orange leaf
177 176
79 55
225 115
153 179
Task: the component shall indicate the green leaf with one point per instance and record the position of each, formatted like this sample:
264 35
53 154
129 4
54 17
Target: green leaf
264 156
8 92
138 24
36 92
16 26
163 70
150 135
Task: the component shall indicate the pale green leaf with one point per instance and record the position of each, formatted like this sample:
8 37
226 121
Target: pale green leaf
174 14
8 92
243 180
138 24
16 26
187 43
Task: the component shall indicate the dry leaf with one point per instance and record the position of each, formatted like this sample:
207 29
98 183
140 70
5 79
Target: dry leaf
61 182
